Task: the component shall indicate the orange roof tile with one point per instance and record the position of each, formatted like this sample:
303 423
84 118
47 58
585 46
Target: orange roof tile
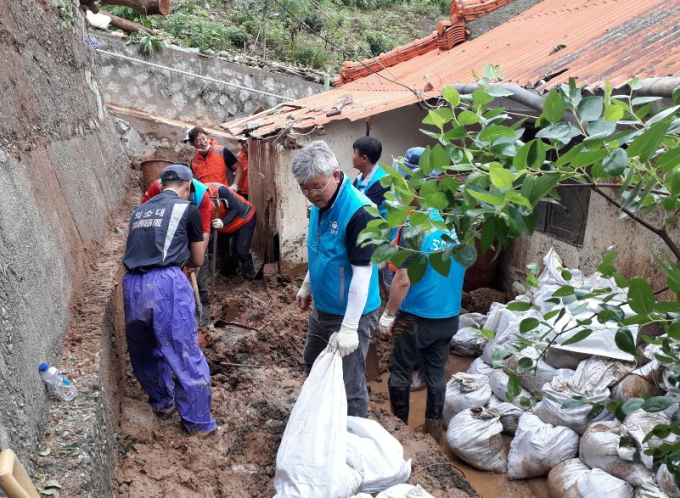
602 39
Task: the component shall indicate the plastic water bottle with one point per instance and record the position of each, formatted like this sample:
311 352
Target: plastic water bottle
61 385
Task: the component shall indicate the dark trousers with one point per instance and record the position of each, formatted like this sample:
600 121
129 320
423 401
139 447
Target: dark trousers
321 327
429 338
235 246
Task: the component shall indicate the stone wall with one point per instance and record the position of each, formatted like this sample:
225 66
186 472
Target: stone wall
189 87
63 170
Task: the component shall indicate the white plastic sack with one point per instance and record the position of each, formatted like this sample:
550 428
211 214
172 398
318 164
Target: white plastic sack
479 367
640 423
599 448
468 342
596 373
666 481
597 482
475 437
405 491
538 447
563 478
633 386
376 455
532 380
498 380
557 392
465 391
311 462
505 325
475 320
650 490
510 413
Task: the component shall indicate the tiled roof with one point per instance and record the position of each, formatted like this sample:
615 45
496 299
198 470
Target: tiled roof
591 40
471 10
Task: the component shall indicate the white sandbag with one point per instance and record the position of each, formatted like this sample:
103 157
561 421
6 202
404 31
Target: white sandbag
674 407
465 391
310 462
538 447
557 392
362 495
534 379
650 490
479 367
640 423
476 320
498 380
505 333
475 437
633 386
597 483
376 455
510 413
599 448
666 481
468 341
563 479
596 373
405 491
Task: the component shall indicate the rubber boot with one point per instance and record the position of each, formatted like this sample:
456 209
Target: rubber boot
399 402
248 270
434 412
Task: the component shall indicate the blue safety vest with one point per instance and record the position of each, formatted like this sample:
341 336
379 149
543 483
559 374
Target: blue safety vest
157 234
366 189
436 296
330 270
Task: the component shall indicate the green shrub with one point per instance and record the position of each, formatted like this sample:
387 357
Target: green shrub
238 37
309 56
378 43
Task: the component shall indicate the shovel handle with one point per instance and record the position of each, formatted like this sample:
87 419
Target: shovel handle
194 286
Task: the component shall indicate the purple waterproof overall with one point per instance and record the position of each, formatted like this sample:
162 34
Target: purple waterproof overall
161 329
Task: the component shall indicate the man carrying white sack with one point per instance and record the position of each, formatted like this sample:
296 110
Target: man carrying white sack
340 281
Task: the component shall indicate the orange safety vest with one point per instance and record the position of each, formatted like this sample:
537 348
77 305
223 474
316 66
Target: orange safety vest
212 167
223 209
243 159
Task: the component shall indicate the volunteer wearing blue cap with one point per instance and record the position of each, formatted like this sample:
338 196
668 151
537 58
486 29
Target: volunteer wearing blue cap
164 235
424 318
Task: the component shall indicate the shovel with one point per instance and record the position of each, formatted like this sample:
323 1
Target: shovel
202 342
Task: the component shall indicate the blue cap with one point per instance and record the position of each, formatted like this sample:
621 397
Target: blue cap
411 160
177 172
43 367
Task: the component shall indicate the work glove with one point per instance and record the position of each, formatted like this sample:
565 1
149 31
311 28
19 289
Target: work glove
303 296
217 223
348 338
234 187
385 324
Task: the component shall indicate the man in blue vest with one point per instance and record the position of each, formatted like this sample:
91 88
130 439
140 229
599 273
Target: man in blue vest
341 280
367 152
424 318
160 326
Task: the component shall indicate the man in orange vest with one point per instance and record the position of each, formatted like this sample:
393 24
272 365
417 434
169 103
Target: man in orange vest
236 219
212 162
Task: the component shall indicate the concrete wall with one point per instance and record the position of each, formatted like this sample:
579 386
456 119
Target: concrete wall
63 169
154 84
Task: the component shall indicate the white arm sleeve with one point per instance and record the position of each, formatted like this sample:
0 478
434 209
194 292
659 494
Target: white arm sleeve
306 280
358 293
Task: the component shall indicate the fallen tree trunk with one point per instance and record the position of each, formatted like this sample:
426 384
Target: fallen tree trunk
146 7
119 22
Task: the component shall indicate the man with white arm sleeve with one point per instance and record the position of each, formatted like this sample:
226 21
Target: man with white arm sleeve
341 281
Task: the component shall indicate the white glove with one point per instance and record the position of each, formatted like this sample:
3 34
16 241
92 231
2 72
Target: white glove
217 223
348 338
234 187
385 324
303 295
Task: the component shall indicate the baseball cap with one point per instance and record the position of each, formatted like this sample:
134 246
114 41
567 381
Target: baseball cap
410 162
177 172
186 137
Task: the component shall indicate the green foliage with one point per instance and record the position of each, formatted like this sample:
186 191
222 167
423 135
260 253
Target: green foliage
491 183
378 43
148 44
64 9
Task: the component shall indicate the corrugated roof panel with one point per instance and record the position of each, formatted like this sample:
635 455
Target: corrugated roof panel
591 40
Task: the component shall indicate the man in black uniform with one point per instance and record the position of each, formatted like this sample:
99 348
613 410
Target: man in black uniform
160 325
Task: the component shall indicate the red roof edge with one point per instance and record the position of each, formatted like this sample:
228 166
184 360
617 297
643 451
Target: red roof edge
471 10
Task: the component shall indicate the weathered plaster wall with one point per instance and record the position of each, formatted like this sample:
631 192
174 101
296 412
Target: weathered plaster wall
134 82
63 170
635 244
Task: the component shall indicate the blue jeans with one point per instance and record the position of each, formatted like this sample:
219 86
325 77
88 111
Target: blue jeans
321 327
161 331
